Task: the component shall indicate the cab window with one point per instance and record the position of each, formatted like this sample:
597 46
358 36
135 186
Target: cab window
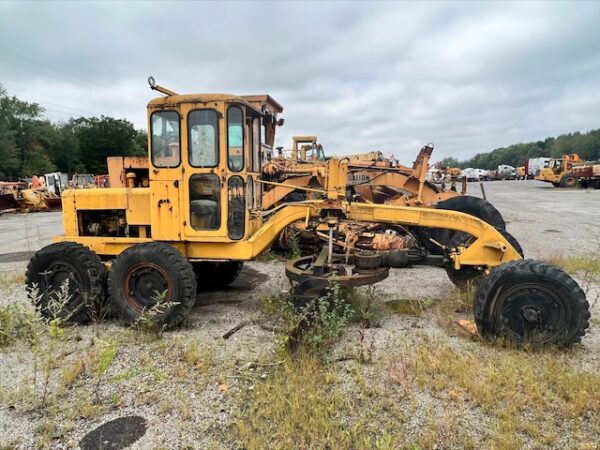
237 207
205 202
249 193
235 138
203 126
165 142
256 140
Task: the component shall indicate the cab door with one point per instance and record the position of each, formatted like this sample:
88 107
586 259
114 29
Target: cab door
204 177
165 174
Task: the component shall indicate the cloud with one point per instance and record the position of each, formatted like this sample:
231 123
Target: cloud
389 76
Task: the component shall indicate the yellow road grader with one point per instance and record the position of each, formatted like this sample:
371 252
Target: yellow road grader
201 217
372 178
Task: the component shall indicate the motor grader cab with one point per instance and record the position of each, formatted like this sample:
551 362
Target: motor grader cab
558 171
306 148
151 248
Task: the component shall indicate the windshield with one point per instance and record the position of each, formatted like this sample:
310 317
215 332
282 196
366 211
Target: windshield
165 139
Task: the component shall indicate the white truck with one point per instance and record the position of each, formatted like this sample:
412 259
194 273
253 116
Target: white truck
506 172
56 182
475 174
533 166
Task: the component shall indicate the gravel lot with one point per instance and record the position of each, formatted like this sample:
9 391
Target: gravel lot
545 220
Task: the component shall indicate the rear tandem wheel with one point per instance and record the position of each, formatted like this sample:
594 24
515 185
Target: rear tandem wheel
212 276
67 280
147 274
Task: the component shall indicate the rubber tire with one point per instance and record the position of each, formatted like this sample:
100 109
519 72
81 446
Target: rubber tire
528 271
211 276
89 271
474 206
568 181
367 260
556 184
295 196
178 269
470 275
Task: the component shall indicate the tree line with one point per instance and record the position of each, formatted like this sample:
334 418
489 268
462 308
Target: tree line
32 145
586 145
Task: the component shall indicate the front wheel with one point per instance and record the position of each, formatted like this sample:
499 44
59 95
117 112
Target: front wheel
468 275
531 302
568 181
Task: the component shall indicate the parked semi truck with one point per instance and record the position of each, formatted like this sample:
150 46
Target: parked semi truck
533 166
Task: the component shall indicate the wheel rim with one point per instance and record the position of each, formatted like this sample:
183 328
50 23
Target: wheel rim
531 312
570 182
144 284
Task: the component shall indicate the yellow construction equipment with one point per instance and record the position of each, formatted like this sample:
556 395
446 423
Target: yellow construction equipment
201 217
558 171
370 175
371 178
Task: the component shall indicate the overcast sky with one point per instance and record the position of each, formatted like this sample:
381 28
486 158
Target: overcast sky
468 77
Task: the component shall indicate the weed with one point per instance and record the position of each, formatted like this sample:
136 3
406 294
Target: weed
366 305
279 306
293 247
458 302
269 256
107 356
48 432
19 322
586 268
71 372
11 445
510 386
8 279
408 307
577 263
300 406
324 320
365 349
149 321
132 373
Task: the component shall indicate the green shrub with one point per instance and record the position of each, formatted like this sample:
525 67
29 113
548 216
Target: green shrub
326 320
18 321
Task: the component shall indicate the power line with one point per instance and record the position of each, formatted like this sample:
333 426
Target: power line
70 74
34 70
46 102
64 106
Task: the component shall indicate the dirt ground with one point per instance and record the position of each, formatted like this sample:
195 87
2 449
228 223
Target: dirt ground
193 388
